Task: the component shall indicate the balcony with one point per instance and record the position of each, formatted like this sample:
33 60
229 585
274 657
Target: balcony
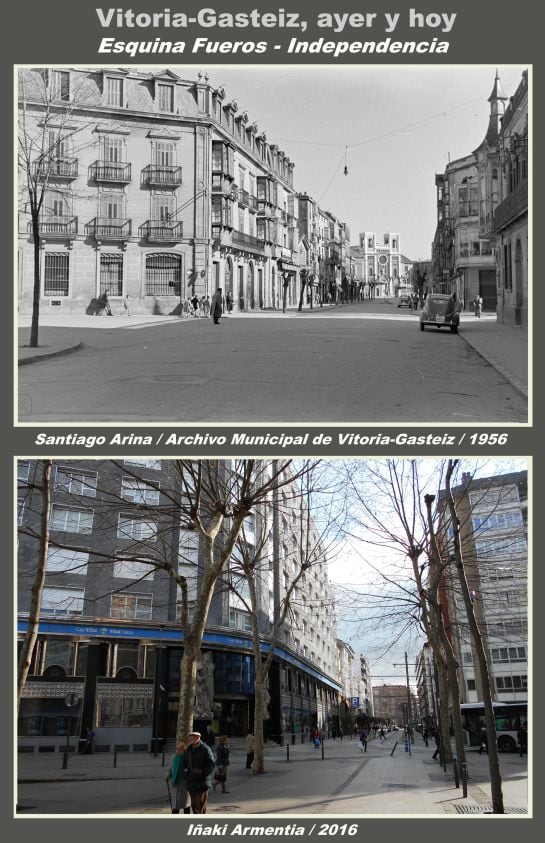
161 231
103 228
512 207
156 176
252 204
56 168
243 199
58 228
247 242
110 171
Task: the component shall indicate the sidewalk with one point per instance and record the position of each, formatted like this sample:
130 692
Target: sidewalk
505 347
346 782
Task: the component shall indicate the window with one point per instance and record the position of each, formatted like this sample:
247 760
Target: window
56 274
165 97
508 654
23 472
163 207
114 91
20 511
163 275
138 491
59 87
112 206
113 150
135 606
164 154
471 685
138 529
497 520
76 482
56 204
62 601
155 464
511 683
67 559
111 274
70 520
240 620
130 569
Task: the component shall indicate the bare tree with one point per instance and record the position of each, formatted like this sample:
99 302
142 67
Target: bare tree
31 634
493 760
316 541
46 133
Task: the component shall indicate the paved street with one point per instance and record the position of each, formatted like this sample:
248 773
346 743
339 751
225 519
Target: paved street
359 363
347 782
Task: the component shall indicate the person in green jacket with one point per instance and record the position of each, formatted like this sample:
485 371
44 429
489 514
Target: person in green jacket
177 776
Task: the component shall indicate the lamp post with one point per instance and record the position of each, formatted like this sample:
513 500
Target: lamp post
71 701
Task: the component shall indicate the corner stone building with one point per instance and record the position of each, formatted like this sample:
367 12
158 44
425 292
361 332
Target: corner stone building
157 188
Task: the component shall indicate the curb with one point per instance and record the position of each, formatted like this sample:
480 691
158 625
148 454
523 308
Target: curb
37 357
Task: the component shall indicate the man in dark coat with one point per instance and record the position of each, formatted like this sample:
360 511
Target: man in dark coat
199 762
216 305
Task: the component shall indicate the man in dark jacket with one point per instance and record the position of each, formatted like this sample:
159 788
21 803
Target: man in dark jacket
199 763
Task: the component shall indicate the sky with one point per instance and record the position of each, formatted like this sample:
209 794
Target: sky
354 570
395 127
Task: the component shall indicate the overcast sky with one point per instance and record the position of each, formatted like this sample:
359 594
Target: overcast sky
400 125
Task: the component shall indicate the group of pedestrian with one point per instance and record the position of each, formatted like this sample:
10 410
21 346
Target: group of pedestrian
198 765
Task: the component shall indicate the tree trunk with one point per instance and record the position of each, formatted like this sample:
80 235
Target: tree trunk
34 327
37 587
493 758
259 711
443 711
285 286
303 288
188 686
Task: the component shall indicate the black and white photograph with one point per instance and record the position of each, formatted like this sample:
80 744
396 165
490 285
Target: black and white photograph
330 244
346 638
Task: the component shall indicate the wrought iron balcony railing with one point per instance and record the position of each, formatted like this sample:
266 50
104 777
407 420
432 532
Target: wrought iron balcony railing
104 228
110 171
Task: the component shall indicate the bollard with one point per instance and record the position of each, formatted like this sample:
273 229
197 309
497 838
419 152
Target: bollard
287 752
322 750
455 770
464 781
393 750
115 759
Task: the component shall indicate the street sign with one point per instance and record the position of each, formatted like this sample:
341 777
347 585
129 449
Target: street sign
355 702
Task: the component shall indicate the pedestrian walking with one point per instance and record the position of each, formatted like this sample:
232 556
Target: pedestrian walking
222 761
229 301
425 736
483 740
127 305
522 737
89 746
209 736
206 307
195 304
316 738
198 762
249 747
477 306
177 777
363 740
437 736
382 734
104 303
216 305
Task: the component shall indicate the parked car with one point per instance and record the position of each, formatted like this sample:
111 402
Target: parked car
437 310
405 301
